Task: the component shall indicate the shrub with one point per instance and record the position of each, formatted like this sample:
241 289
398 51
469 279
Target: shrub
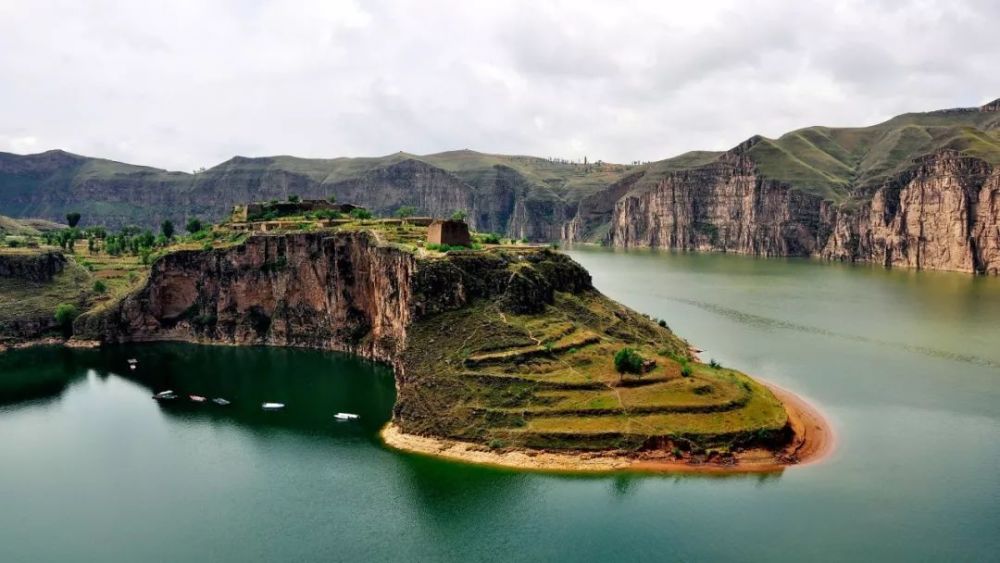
72 219
207 246
327 214
714 364
332 199
405 212
628 360
13 242
361 213
459 216
167 229
489 238
65 314
662 323
100 287
293 199
194 225
497 443
686 370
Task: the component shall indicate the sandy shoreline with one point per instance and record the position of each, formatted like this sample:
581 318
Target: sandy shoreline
812 442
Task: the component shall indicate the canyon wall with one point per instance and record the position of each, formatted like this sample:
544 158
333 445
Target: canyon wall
334 291
725 206
943 214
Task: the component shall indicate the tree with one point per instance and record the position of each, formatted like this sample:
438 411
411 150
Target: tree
72 219
628 360
293 198
361 213
100 287
167 228
66 313
194 225
405 212
332 198
459 215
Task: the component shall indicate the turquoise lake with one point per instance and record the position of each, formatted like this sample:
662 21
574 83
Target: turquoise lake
906 366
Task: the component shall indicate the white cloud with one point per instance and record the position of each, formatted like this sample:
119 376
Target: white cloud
190 83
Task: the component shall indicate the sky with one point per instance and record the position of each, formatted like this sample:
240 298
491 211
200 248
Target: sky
188 84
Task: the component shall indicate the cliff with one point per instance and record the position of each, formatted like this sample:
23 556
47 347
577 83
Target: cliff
725 205
32 266
506 347
941 215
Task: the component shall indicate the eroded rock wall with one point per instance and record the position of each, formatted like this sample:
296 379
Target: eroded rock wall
943 214
723 206
336 291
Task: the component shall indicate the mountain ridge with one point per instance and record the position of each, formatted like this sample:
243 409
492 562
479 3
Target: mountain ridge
832 171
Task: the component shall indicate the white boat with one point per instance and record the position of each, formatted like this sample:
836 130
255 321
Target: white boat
220 401
165 395
346 416
132 361
272 406
197 398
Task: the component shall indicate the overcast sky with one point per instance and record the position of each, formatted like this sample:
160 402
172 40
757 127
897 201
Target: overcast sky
182 84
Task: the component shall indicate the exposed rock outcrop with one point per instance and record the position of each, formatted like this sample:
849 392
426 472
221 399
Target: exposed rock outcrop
724 206
335 291
942 214
35 267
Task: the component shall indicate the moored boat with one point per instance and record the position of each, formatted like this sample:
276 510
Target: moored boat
346 416
220 401
272 406
167 395
197 398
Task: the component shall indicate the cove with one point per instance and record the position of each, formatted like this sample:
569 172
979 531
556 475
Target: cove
905 365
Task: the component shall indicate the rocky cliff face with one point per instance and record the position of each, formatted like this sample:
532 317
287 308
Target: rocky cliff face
723 206
340 291
943 215
39 268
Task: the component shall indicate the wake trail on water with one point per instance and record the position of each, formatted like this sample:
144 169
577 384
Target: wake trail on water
767 322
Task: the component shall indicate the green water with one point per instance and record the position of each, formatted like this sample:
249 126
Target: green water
906 365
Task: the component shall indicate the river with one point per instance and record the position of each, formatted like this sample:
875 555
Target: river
906 366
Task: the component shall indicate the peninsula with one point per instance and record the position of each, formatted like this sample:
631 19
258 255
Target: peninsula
503 352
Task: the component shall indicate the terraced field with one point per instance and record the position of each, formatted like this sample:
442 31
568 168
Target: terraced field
548 381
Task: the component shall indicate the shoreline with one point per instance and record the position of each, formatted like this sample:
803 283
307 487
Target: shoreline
812 442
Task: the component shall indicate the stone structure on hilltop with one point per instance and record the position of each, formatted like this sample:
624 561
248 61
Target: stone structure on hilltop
451 233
